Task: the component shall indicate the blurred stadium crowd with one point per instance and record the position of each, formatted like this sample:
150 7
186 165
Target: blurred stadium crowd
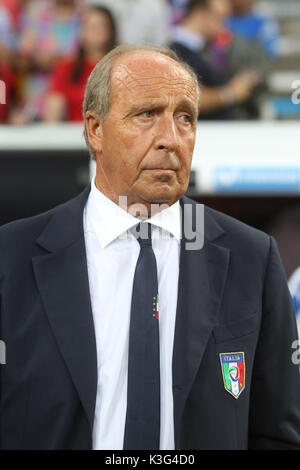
246 54
49 47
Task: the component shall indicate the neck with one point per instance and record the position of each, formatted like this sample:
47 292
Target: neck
141 209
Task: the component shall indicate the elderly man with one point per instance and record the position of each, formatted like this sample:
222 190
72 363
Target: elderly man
121 332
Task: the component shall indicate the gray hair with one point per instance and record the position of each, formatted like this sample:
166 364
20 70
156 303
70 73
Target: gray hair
97 91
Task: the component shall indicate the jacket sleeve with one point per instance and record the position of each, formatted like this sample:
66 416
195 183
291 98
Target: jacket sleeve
1 365
274 421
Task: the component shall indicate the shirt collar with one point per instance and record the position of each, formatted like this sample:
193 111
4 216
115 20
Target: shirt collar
109 221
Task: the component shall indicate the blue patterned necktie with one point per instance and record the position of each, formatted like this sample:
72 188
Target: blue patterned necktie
142 426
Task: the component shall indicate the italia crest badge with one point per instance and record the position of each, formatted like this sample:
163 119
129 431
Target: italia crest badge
233 371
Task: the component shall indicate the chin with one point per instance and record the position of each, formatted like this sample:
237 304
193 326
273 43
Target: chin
160 198
158 201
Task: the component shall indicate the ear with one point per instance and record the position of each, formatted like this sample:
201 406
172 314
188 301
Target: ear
94 131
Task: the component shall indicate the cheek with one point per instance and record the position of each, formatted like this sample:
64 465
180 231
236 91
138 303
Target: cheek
186 162
132 149
186 152
121 161
127 166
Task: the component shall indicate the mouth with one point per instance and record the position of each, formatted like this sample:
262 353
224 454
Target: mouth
163 175
165 170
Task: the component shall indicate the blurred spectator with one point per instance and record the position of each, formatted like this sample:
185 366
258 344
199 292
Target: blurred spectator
294 286
254 26
14 8
140 21
285 228
219 94
177 10
69 77
7 90
230 54
49 31
11 12
8 38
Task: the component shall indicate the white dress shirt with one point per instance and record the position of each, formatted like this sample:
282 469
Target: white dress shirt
112 254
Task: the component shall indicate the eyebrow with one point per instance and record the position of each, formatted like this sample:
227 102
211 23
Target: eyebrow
156 105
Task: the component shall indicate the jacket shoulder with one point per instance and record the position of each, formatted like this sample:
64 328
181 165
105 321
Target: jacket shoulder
18 238
235 227
235 233
31 226
26 227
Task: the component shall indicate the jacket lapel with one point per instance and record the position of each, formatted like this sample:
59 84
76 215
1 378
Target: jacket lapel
201 282
62 279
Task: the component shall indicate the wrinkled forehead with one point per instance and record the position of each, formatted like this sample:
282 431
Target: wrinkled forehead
149 74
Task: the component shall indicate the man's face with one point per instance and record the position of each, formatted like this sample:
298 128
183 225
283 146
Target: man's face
147 139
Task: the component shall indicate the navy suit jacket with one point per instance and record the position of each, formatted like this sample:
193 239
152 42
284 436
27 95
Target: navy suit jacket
232 297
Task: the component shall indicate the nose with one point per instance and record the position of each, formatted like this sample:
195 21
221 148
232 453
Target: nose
166 134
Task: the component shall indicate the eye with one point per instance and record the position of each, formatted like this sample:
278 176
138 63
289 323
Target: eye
146 114
186 118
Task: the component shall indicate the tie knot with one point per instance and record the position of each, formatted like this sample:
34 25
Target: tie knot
143 233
